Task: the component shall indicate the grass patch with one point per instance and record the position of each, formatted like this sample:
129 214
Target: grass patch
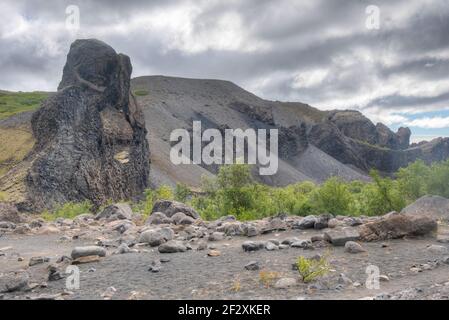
311 269
12 103
69 210
141 93
268 277
3 197
16 144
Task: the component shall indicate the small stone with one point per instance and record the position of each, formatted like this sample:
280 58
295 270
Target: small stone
344 280
383 278
202 245
338 237
270 246
317 238
333 223
216 236
437 249
86 259
285 283
384 245
164 260
123 248
109 293
155 266
252 231
283 246
79 252
305 223
38 260
214 253
353 247
252 266
252 245
303 244
172 246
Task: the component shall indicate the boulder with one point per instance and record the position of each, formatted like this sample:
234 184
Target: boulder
252 266
434 206
354 247
9 213
274 224
80 252
158 218
172 246
398 225
90 135
305 223
38 260
156 237
252 245
118 211
11 282
233 228
339 237
216 236
170 208
322 221
270 246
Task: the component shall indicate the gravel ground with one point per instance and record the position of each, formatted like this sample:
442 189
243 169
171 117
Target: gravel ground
194 275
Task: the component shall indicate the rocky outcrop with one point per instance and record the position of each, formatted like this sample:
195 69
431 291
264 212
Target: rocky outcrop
91 137
435 206
9 213
398 225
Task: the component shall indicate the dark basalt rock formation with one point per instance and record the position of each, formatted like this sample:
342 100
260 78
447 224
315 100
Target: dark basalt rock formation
91 136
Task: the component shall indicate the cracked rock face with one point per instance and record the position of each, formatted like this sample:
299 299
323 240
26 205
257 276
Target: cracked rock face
91 136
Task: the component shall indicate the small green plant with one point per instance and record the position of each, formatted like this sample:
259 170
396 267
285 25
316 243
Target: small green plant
182 192
311 269
140 93
68 210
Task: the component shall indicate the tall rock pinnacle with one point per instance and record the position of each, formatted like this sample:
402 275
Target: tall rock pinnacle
90 136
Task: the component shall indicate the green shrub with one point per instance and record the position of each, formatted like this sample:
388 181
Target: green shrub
182 192
68 210
311 269
413 180
438 180
333 197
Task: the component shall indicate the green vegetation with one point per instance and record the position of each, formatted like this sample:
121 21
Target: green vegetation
234 192
15 102
311 269
3 196
140 93
15 144
68 210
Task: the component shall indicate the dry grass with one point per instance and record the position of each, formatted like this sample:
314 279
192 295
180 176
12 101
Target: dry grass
268 277
16 144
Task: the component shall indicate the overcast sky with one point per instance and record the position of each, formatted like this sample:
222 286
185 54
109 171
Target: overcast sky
326 53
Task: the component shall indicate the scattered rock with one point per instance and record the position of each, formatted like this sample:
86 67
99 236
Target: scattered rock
285 283
158 218
54 274
123 248
383 278
80 252
352 221
434 206
353 247
11 282
274 224
338 237
86 259
109 293
9 213
303 244
118 211
170 208
155 266
252 266
38 260
333 223
22 229
232 228
398 225
270 246
172 246
214 253
252 245
202 245
446 260
322 221
305 223
344 280
438 249
156 237
7 225
251 230
216 236
317 238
